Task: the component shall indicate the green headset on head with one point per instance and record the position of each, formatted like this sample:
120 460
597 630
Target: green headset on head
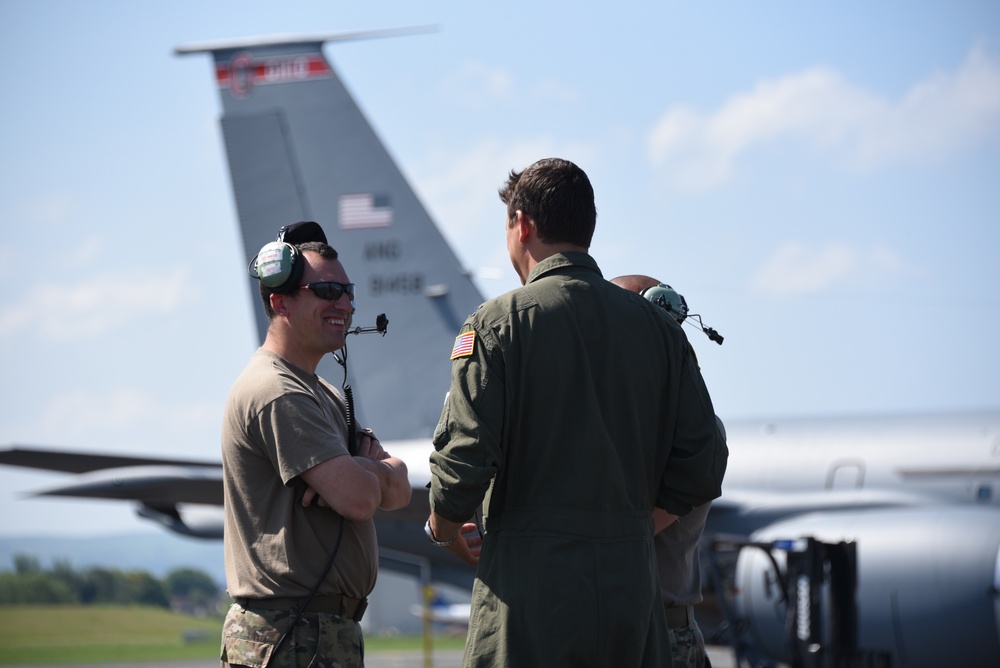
674 303
278 264
668 299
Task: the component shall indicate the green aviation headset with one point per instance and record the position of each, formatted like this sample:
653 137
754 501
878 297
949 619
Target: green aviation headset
279 264
668 299
674 303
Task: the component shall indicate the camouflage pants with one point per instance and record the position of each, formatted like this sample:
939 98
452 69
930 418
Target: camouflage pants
319 640
687 647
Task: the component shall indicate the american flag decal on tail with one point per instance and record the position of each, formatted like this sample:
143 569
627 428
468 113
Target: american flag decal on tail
359 210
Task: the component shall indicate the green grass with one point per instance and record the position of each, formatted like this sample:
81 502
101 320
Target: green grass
47 634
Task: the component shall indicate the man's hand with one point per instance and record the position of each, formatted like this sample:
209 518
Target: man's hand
311 495
370 448
468 541
391 471
662 519
468 544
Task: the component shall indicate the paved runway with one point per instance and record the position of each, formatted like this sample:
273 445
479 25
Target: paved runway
721 657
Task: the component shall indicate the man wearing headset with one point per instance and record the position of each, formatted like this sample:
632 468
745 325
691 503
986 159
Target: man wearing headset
568 397
299 572
677 555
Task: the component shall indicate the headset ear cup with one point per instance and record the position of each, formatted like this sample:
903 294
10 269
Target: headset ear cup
668 299
277 265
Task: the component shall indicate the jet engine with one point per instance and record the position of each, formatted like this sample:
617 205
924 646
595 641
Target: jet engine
924 592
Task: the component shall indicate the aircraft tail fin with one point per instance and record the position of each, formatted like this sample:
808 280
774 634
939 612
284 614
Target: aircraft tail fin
299 148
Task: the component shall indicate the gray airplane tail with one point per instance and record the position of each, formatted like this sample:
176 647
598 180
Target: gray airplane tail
300 149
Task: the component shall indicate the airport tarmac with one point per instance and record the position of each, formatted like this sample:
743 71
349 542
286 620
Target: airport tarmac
721 657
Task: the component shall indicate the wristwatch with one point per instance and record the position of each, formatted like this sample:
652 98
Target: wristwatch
430 536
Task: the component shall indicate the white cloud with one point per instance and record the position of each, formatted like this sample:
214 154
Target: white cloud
65 311
477 85
796 269
87 253
944 113
54 208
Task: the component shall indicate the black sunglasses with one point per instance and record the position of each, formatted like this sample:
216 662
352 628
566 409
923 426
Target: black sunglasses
330 290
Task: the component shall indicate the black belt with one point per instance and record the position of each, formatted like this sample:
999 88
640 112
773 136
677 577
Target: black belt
680 616
337 604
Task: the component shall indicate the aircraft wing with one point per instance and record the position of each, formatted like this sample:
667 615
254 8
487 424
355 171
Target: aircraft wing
79 462
441 611
149 480
163 489
186 497
745 511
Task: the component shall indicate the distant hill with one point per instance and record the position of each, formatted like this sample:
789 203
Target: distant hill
157 553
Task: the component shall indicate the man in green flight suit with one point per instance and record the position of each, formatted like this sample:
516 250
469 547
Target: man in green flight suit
575 408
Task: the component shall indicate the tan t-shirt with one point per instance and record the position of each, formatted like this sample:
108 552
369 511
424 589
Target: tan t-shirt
279 422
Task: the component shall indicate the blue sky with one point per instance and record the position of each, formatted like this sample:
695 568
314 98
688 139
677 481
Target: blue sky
820 180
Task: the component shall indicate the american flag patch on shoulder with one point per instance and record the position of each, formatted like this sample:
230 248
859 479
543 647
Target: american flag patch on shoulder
463 345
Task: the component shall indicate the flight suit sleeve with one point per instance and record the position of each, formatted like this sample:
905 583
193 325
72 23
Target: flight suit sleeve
698 456
467 451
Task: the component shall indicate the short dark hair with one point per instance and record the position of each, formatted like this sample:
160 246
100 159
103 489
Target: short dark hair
559 198
291 288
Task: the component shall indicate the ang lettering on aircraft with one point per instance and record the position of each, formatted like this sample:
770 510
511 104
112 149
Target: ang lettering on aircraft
383 250
242 73
405 283
402 283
